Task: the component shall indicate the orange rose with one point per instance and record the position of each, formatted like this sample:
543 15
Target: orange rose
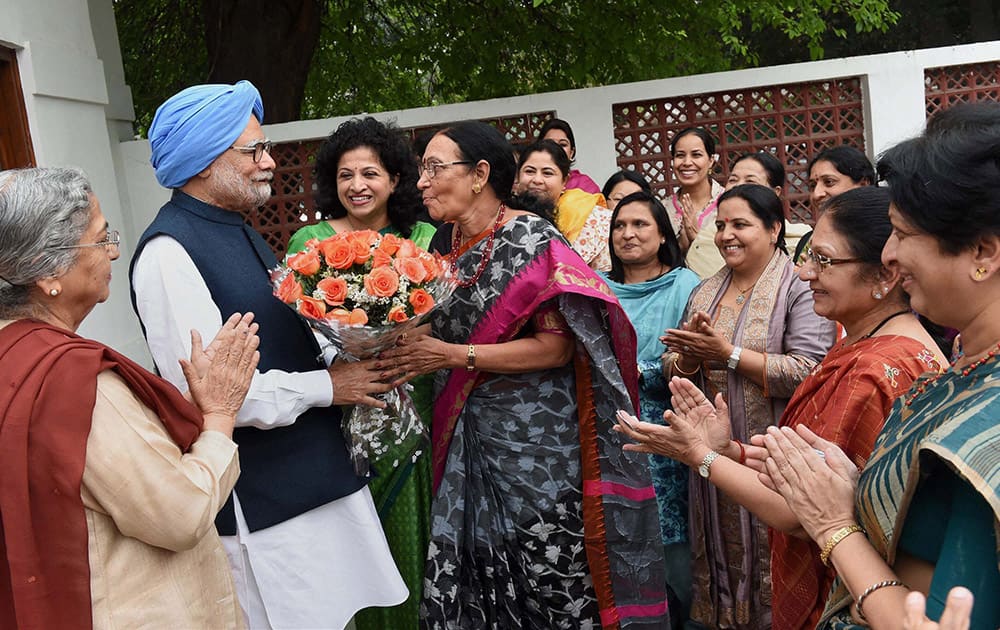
421 301
338 252
381 282
407 249
411 269
390 244
305 262
358 317
334 290
397 314
290 290
381 259
351 318
433 265
312 243
311 307
362 250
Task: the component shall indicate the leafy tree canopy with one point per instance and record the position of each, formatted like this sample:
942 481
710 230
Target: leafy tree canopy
320 58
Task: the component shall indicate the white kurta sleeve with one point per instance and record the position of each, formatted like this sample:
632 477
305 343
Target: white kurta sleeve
172 299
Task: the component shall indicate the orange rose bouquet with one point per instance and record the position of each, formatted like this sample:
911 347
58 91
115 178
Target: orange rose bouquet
362 290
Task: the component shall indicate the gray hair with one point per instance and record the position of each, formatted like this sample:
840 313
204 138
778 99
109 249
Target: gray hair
40 209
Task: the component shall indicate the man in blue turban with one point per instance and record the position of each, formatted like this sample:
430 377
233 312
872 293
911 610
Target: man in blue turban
301 531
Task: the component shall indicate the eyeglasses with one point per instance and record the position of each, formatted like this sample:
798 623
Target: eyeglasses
824 262
112 239
432 168
257 148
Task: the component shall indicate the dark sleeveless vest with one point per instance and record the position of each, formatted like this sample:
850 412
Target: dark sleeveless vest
289 470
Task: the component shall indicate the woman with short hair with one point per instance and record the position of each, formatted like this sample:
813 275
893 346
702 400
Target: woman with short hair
925 512
111 478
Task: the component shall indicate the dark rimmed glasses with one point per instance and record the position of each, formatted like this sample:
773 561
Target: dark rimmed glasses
257 148
825 262
432 168
112 239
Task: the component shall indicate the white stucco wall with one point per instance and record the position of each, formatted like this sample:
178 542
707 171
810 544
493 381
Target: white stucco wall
66 92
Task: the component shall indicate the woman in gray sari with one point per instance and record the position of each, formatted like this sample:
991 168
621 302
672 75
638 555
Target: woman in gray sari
539 520
750 335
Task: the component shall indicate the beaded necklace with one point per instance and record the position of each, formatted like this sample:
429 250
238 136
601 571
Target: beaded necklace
487 251
965 372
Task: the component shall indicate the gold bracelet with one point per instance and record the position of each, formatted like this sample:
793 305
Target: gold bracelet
871 589
677 367
470 359
838 536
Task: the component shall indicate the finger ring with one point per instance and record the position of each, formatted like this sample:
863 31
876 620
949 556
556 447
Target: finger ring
687 348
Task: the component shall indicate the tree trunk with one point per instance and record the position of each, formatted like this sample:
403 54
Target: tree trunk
268 42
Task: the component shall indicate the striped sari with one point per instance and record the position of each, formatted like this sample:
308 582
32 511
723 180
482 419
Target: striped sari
951 420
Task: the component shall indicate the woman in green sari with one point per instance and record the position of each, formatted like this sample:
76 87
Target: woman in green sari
366 179
924 515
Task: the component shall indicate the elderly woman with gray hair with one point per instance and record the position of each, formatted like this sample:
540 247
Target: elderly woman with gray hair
109 477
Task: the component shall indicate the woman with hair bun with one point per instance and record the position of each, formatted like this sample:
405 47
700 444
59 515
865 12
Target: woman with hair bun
537 522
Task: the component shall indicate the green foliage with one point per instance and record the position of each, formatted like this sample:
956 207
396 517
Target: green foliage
378 55
163 50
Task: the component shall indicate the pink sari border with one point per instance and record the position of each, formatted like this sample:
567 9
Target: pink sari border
612 616
545 277
599 488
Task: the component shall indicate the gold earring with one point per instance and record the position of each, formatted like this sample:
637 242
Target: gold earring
476 188
980 272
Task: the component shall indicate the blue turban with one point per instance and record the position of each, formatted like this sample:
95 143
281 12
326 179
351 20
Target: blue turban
194 126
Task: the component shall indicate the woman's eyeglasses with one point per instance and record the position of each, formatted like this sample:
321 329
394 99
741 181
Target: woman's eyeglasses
824 262
432 168
112 239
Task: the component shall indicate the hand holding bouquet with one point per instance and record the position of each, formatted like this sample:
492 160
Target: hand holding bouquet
362 290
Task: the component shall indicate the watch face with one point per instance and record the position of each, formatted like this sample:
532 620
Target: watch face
703 471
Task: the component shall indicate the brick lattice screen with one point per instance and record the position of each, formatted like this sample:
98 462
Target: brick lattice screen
948 85
792 121
291 207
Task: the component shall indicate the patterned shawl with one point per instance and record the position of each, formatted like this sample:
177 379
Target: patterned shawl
845 400
731 558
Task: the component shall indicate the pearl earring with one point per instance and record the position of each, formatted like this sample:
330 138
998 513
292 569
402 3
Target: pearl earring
877 294
54 292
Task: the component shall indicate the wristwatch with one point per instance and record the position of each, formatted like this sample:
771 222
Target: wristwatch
704 468
734 358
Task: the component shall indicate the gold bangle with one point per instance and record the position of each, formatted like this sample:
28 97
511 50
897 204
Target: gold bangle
470 359
677 367
838 536
871 589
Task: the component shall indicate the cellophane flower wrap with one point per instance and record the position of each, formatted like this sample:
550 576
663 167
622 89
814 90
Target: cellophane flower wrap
362 290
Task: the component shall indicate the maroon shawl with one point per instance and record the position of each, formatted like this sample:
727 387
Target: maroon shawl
48 386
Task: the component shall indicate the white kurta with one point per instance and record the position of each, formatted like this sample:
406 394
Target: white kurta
315 570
